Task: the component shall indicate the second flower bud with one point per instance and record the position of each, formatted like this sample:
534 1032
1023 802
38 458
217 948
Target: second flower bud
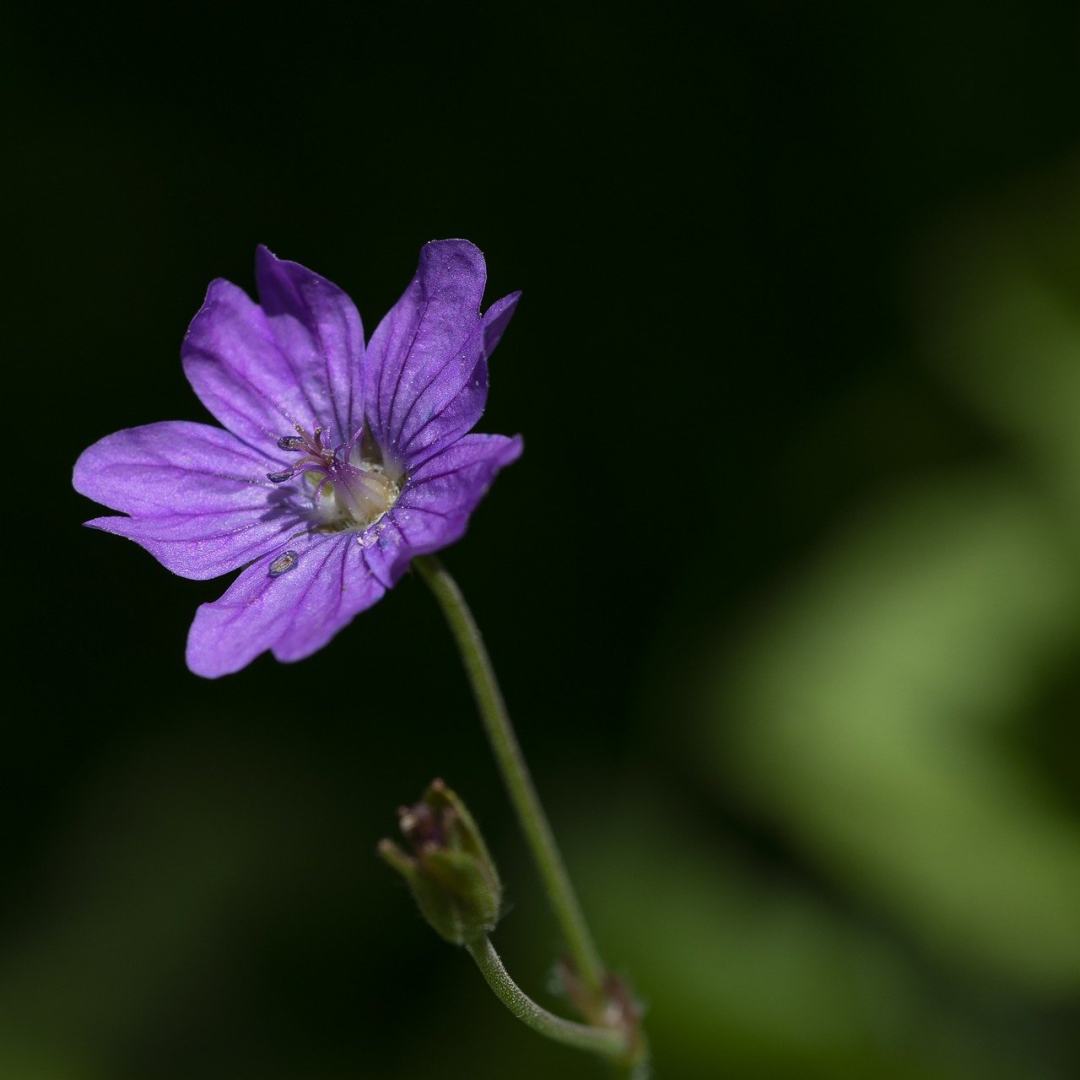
448 867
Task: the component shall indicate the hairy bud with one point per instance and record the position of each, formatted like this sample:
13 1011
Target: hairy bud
448 867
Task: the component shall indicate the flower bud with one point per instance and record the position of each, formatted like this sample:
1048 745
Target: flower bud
448 867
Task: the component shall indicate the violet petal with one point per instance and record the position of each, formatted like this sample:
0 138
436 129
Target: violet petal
199 497
318 327
454 399
293 613
427 345
234 363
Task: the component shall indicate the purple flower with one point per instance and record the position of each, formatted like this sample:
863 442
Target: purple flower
338 463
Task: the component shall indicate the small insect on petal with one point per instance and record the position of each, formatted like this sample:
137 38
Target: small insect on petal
285 561
279 477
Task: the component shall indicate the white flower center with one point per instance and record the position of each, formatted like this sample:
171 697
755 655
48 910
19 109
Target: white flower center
351 496
349 488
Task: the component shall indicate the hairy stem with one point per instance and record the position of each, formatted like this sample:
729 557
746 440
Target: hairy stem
609 1042
515 773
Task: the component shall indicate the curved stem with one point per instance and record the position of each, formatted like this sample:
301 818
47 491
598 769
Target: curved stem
515 773
605 1041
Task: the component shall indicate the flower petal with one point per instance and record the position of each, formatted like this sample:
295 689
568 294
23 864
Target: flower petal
294 613
171 466
234 363
430 351
454 400
199 497
318 328
205 546
433 510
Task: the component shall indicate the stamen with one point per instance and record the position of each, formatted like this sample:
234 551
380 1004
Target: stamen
291 442
279 477
285 561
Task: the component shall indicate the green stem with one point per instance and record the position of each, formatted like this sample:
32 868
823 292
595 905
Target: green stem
515 773
605 1041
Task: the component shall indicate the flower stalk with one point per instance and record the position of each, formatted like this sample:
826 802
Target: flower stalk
613 1027
515 772
609 1042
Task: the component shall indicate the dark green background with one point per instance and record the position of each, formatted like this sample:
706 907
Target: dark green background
784 592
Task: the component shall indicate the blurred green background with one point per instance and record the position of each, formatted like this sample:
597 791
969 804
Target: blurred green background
785 592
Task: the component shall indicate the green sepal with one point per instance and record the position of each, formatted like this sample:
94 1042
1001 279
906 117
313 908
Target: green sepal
474 897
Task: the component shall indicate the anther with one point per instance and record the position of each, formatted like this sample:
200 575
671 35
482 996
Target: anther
290 442
279 477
